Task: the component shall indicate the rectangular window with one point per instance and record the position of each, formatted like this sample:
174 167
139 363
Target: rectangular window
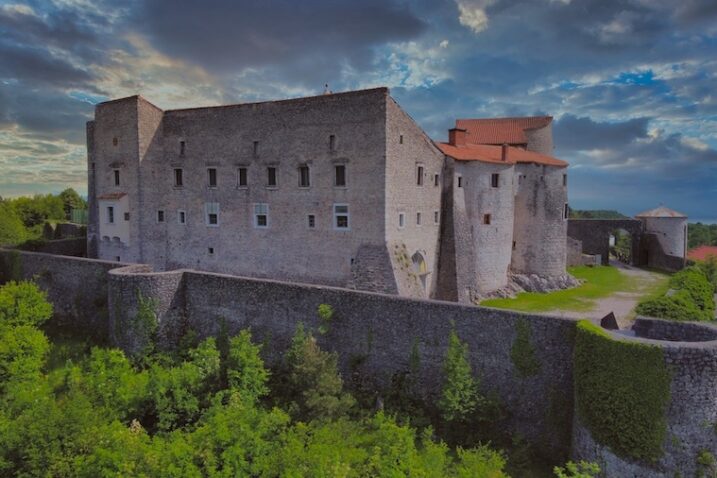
494 180
566 211
341 216
261 215
312 221
565 179
460 181
340 175
210 250
212 177
436 179
486 218
212 213
520 179
418 219
332 142
242 178
110 214
436 217
117 258
514 244
117 177
256 149
182 145
181 217
126 216
271 176
400 139
304 176
419 175
401 220
178 177
160 216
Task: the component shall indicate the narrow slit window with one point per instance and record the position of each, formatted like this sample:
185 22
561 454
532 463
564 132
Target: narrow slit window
160 216
419 175
566 211
116 174
486 218
182 148
436 179
565 179
340 175
126 216
255 149
110 214
178 177
271 176
401 219
460 181
400 139
304 179
242 178
418 219
436 217
332 142
495 180
261 215
181 217
312 221
341 216
212 177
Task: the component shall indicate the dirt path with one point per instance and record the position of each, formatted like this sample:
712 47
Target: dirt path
622 304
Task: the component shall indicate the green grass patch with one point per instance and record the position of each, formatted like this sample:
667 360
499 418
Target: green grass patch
598 282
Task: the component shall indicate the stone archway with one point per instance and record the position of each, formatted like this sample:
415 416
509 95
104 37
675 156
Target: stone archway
420 268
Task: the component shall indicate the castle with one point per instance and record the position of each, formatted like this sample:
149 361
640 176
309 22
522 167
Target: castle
340 189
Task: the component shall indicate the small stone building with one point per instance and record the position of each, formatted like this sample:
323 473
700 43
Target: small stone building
339 189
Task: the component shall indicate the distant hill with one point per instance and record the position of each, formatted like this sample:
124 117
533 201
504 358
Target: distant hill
596 214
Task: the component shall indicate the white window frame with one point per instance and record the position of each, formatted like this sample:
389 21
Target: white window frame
337 214
256 215
211 208
181 212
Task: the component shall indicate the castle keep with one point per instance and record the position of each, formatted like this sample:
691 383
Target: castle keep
339 189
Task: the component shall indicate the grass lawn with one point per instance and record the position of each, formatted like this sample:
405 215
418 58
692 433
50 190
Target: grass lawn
598 282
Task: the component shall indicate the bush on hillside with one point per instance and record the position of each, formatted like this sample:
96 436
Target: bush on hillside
692 298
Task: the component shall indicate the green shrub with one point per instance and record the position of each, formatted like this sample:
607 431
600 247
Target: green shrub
622 390
523 353
459 397
326 314
582 469
692 298
23 303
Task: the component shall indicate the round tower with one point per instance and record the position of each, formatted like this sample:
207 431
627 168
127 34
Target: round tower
670 228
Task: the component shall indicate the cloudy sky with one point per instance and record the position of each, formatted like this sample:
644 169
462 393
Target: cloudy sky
631 83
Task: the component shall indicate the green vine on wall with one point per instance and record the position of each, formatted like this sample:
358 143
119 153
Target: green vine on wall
145 323
523 353
622 390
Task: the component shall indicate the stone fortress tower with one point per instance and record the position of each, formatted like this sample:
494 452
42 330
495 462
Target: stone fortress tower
339 189
670 228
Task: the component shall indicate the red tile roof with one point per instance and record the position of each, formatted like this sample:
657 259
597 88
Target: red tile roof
494 154
112 196
501 130
701 253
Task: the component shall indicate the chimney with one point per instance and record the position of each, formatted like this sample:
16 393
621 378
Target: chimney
457 137
504 153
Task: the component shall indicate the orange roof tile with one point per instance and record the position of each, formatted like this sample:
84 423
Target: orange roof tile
494 154
701 253
501 130
112 196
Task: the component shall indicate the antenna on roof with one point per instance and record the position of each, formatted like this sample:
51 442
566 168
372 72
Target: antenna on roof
326 89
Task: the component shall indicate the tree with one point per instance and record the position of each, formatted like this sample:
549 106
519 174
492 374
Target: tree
71 200
459 397
12 230
245 368
23 303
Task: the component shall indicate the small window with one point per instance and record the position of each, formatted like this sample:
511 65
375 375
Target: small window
271 176
212 213
566 211
312 221
332 142
256 149
340 175
418 219
117 177
182 145
181 217
401 220
242 178
261 215
436 179
110 214
460 181
115 141
178 177
160 216
304 181
520 179
212 177
400 139
495 180
126 216
419 175
436 217
486 218
117 258
565 179
341 216
514 244
210 250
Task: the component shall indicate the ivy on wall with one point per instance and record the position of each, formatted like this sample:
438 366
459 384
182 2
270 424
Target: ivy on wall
523 353
622 390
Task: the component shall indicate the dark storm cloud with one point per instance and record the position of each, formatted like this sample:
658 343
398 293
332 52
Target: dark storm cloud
229 35
572 133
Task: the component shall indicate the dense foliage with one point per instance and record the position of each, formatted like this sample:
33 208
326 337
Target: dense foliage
596 214
699 234
691 297
622 390
523 353
202 411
